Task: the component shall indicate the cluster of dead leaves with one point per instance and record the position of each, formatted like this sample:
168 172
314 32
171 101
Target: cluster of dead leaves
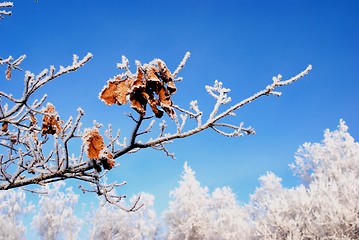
94 144
152 84
96 149
51 123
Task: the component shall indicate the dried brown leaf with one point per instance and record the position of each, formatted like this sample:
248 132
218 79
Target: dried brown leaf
164 72
8 73
153 82
96 149
139 84
33 119
138 103
116 91
51 123
5 127
165 102
108 162
123 89
153 104
171 87
94 143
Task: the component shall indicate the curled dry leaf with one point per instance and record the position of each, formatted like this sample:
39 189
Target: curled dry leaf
171 87
167 77
96 149
93 143
51 123
137 97
138 103
152 84
165 73
106 158
33 119
5 127
139 84
165 101
8 73
152 74
116 91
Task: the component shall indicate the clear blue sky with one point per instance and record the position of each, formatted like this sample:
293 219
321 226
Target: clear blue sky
241 43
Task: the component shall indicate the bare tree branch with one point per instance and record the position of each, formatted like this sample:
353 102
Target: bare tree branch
5 12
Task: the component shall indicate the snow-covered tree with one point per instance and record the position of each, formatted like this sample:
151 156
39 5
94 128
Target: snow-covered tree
38 144
230 220
110 222
195 214
13 207
326 207
55 218
188 216
333 183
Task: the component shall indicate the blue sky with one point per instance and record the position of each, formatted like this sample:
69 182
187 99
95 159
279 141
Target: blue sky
241 43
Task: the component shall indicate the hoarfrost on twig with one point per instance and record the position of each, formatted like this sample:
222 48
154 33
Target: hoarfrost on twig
28 128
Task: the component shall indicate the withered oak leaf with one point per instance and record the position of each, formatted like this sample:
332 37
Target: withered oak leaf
51 123
164 98
116 91
5 127
96 149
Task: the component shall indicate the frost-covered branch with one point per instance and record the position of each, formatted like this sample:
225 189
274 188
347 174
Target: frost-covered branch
181 65
32 83
153 85
11 64
36 144
4 12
